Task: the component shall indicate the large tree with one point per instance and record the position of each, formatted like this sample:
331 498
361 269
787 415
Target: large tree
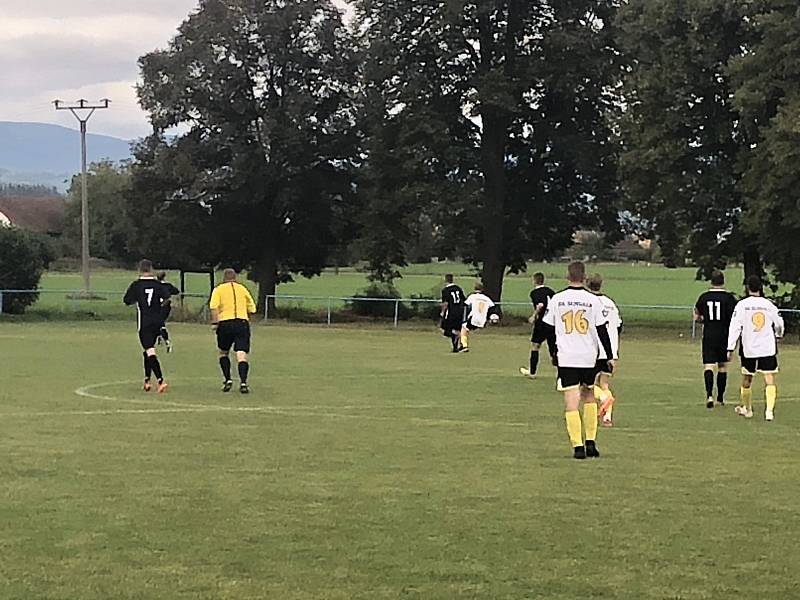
682 142
491 119
264 92
767 84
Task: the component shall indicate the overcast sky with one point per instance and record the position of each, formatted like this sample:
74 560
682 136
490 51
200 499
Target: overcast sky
81 49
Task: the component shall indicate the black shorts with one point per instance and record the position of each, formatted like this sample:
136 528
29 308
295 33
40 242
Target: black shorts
233 333
573 377
165 312
148 334
452 323
603 367
543 333
715 351
764 364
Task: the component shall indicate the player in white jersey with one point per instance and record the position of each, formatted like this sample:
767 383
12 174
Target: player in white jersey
758 323
602 388
480 309
581 330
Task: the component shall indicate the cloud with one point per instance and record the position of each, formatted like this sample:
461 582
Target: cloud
60 9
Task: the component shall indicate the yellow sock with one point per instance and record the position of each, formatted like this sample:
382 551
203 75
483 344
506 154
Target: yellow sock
573 419
747 398
598 392
772 396
590 420
465 339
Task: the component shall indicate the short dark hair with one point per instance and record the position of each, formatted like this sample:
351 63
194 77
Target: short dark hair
478 286
595 282
161 275
145 266
449 278
538 278
576 272
717 277
754 284
229 275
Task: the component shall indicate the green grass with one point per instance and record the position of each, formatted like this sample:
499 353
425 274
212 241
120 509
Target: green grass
628 284
374 465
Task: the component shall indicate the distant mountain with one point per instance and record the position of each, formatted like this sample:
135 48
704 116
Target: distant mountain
43 154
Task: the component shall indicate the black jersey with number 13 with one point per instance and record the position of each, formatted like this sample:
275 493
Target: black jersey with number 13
147 294
716 308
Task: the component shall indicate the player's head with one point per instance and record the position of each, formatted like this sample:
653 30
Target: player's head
538 279
161 275
717 278
145 266
754 285
449 278
479 286
576 273
595 282
229 275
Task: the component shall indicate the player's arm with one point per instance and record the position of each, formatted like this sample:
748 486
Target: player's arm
251 304
443 304
734 332
777 323
130 295
698 312
213 305
605 341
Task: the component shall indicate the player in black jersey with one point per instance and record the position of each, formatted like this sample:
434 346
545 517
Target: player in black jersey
714 310
149 296
452 311
166 309
542 332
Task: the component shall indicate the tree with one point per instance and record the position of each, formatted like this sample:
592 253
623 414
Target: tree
111 229
490 117
767 86
682 142
265 90
24 256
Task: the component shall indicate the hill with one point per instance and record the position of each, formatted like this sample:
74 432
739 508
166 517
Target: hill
44 154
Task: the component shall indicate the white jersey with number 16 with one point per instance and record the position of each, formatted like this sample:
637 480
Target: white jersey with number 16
576 314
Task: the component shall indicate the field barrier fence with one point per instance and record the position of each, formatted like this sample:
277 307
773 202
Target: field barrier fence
328 310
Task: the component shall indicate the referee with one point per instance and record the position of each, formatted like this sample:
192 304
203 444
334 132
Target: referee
230 305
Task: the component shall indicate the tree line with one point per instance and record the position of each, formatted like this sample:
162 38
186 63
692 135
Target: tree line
489 131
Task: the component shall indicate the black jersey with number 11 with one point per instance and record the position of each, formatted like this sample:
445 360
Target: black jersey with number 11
716 307
147 294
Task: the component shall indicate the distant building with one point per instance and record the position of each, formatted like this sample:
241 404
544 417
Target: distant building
42 215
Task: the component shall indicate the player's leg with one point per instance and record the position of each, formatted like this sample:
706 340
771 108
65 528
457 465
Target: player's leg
769 367
745 407
604 395
722 382
569 384
533 363
164 333
224 344
242 347
590 413
148 334
708 380
465 338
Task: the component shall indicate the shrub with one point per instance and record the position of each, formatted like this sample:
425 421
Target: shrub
24 256
372 308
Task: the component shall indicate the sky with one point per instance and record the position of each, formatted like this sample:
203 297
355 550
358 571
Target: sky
55 49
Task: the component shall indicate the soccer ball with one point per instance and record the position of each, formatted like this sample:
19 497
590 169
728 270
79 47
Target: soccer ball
494 319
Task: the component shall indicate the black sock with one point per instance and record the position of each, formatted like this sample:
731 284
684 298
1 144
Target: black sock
164 334
454 338
534 361
156 367
148 371
708 375
225 365
722 383
244 369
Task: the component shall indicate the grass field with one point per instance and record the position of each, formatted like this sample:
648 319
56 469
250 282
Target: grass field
375 465
628 284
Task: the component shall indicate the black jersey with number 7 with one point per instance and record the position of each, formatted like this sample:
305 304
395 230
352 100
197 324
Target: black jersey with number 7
147 294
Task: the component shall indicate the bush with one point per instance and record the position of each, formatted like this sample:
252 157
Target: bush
372 308
24 256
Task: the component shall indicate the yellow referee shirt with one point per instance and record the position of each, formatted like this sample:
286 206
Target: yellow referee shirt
232 301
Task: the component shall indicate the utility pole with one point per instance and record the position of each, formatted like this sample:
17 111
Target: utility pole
83 111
